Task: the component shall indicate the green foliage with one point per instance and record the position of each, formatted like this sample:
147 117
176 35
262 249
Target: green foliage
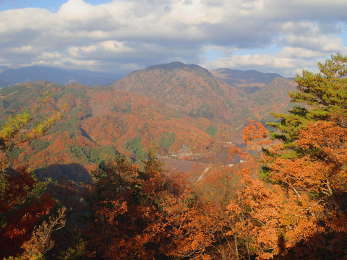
70 125
323 95
39 145
39 187
3 185
135 147
265 173
76 252
289 125
211 130
166 140
93 155
290 154
13 152
326 89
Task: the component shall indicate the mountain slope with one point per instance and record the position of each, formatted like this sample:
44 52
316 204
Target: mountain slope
265 92
97 122
188 89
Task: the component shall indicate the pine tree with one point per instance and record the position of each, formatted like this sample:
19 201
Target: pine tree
322 96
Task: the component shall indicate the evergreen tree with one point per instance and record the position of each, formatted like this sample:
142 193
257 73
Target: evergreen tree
321 95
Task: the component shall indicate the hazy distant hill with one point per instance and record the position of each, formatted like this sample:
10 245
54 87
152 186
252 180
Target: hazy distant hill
2 68
3 83
265 92
56 75
233 76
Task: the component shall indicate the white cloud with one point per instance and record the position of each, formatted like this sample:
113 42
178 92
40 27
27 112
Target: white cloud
315 42
136 33
301 53
262 62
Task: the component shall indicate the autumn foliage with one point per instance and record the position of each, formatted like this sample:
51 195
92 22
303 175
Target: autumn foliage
142 214
293 206
254 132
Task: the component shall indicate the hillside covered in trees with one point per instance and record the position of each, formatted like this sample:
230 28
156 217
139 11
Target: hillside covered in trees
80 178
173 109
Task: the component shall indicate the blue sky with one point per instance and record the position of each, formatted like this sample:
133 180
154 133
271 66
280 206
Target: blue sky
52 5
268 35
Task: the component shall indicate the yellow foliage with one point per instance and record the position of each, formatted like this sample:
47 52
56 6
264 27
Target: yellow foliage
13 125
42 127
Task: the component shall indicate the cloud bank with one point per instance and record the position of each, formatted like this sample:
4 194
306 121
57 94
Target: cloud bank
123 35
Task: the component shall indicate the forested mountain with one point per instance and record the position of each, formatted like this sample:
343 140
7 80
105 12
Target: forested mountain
171 108
188 89
194 90
55 75
100 121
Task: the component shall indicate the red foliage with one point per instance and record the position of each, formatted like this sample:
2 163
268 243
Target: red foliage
21 210
144 215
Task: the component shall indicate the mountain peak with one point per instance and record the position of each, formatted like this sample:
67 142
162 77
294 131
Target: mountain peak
169 66
177 65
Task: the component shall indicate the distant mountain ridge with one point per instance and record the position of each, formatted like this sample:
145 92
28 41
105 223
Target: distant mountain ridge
234 76
93 78
56 75
176 65
3 68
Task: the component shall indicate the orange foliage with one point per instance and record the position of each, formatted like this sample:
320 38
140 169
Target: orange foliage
322 169
303 209
254 132
269 219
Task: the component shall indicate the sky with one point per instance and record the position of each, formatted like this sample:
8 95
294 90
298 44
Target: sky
124 35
